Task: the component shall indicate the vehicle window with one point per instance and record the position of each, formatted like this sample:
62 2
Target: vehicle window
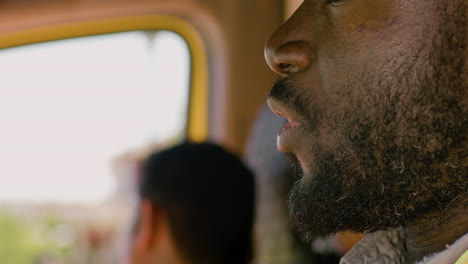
69 111
290 7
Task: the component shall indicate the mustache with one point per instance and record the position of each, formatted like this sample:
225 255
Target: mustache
282 90
285 92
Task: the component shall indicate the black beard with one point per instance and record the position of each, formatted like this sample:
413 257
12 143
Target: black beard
403 156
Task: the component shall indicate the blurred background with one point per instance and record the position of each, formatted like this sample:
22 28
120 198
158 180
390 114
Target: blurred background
71 113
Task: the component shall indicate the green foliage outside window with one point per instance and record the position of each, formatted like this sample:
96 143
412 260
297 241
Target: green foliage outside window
28 242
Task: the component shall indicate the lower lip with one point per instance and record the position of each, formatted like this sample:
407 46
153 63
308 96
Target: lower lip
287 135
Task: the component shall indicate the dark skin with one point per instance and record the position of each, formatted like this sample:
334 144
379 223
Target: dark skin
421 242
374 92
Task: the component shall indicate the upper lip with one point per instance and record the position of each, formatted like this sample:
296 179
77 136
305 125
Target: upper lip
282 110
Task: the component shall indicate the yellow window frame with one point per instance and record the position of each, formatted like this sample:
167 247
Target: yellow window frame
197 119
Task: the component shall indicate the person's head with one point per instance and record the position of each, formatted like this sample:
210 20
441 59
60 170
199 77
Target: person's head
375 95
197 206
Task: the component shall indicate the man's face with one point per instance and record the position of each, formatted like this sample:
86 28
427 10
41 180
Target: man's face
375 94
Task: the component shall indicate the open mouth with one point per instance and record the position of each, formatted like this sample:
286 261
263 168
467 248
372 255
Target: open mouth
288 134
291 124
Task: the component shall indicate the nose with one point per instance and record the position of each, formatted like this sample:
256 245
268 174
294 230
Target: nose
290 50
288 58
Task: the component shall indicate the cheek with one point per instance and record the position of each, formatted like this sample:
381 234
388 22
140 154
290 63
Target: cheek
349 66
357 42
369 41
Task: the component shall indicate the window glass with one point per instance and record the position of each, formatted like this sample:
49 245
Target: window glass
69 111
290 7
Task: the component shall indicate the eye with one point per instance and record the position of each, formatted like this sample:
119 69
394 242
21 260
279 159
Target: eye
335 2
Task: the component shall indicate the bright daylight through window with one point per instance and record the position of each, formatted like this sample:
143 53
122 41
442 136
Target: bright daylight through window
71 112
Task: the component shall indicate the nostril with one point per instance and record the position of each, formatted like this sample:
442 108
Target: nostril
286 68
290 57
284 65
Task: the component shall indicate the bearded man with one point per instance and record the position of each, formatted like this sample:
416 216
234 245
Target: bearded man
374 91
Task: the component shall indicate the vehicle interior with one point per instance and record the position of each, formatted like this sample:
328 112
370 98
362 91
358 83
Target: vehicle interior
89 86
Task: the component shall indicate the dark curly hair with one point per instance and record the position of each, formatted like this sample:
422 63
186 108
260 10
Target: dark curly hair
208 195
